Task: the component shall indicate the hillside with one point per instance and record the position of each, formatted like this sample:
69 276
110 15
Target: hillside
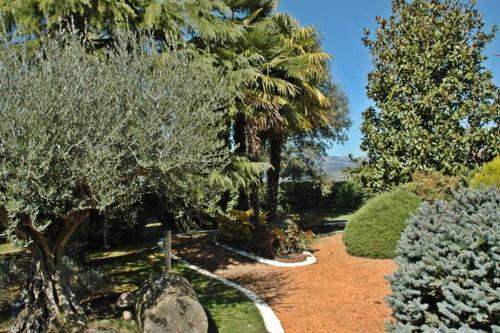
335 165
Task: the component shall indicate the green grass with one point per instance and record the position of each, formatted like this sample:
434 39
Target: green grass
126 269
375 229
7 248
231 311
339 217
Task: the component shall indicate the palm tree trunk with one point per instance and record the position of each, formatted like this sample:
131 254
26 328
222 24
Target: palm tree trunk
240 139
273 175
254 146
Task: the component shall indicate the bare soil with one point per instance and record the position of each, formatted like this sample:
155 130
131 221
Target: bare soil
339 293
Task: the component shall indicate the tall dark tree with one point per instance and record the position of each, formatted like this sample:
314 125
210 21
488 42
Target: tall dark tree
434 100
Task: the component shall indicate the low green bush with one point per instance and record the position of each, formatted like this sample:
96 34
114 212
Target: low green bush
236 227
346 197
432 186
376 228
449 267
487 175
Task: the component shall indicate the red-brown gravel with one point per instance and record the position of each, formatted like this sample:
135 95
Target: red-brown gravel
338 294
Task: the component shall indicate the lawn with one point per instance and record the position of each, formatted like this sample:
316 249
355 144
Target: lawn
7 248
339 217
125 269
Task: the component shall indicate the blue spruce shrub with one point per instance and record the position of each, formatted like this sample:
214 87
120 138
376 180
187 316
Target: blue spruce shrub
449 267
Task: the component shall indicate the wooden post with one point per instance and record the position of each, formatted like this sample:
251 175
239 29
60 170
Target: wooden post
168 251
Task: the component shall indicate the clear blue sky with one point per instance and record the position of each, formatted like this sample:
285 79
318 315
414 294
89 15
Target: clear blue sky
341 23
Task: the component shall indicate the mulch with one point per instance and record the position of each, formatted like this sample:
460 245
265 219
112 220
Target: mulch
340 293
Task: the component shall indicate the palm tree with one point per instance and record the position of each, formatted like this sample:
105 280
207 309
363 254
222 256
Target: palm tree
202 19
241 67
285 94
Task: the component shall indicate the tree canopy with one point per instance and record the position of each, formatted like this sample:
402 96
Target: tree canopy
81 133
436 106
206 19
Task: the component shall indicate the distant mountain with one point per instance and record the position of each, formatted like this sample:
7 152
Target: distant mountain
335 165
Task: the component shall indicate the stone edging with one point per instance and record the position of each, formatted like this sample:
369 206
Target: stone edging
271 321
309 260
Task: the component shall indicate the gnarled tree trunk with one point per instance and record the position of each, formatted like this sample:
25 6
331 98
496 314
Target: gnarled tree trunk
49 301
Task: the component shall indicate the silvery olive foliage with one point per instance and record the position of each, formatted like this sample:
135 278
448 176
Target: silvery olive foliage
449 266
81 131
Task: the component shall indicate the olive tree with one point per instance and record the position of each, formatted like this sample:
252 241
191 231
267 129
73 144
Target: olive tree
81 132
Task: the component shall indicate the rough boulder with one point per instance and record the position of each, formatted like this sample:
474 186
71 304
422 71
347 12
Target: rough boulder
168 304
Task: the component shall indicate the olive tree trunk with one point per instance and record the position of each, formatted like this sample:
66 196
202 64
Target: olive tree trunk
49 301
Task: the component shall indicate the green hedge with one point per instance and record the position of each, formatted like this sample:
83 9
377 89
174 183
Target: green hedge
376 228
432 186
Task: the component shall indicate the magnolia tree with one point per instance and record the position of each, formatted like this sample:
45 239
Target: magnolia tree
436 106
82 132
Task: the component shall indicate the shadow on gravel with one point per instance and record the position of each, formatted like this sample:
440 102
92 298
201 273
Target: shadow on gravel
329 228
201 251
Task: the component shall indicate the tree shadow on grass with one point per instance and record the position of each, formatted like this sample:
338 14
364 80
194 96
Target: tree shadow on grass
126 269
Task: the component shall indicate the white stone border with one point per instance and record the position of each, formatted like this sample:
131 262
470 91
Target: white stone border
271 321
310 259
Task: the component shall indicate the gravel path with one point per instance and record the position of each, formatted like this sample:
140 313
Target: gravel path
339 293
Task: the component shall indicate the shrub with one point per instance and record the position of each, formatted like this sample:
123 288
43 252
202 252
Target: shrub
301 196
432 185
488 174
290 239
236 227
449 267
347 196
83 280
13 270
310 219
375 229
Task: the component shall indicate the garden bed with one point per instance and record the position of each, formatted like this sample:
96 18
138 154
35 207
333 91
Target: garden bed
292 260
